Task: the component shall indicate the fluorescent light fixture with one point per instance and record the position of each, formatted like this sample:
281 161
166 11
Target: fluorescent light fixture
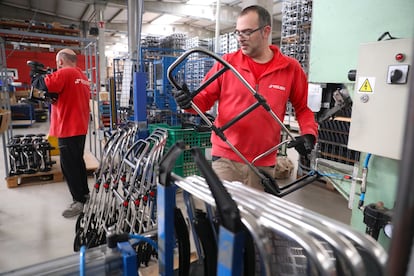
200 2
166 19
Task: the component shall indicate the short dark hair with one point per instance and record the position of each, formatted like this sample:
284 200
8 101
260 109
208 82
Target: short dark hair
264 15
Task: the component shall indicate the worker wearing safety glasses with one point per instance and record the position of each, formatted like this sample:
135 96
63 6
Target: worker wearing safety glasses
276 77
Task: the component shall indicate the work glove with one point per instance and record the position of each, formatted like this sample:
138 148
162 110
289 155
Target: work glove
38 82
183 97
33 73
303 144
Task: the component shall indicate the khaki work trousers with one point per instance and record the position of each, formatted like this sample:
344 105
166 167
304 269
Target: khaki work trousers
235 171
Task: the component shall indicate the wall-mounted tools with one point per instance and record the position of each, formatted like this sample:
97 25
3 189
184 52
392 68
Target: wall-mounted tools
29 154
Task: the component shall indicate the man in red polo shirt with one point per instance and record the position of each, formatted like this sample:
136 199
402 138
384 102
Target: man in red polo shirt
278 78
69 123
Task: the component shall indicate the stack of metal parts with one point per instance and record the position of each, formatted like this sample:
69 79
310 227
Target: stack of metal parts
124 193
233 44
29 154
223 44
333 141
156 46
198 42
296 30
151 45
197 65
291 240
174 41
196 68
228 44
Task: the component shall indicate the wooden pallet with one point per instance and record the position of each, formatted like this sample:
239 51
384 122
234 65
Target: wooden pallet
290 39
91 162
54 175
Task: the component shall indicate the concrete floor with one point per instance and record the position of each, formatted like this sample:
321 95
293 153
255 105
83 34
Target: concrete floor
32 229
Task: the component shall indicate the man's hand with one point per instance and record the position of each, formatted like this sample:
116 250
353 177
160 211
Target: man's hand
303 144
52 97
183 97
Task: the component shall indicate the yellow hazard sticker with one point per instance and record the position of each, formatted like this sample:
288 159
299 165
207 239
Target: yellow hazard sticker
366 84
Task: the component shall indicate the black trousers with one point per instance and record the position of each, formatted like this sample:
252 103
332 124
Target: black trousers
73 166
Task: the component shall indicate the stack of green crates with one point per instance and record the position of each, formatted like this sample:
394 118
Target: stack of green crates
185 165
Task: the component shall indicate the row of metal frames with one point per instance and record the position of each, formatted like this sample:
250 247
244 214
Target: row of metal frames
287 238
29 154
291 240
124 193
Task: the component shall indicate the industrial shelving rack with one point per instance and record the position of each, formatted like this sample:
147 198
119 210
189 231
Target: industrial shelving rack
31 34
157 54
228 44
296 29
295 41
6 131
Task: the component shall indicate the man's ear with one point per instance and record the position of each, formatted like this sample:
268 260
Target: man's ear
268 29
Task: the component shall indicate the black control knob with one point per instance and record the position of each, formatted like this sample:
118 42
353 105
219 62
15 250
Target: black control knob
396 75
352 74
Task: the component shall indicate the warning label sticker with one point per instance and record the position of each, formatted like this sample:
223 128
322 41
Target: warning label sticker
366 84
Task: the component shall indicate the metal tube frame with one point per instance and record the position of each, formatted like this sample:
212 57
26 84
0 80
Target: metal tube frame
267 181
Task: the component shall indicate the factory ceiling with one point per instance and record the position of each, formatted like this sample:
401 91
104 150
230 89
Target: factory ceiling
160 18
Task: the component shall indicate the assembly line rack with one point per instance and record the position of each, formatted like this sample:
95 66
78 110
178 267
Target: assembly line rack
287 238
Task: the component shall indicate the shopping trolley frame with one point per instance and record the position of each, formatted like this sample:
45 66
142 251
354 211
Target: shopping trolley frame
267 181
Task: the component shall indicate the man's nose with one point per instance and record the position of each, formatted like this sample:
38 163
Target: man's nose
241 38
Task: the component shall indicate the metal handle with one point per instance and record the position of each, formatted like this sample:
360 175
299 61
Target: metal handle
226 206
226 66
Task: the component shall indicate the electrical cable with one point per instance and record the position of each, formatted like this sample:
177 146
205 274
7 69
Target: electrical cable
82 260
384 35
366 161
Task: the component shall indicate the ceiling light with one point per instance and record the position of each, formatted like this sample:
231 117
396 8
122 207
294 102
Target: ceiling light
166 19
200 2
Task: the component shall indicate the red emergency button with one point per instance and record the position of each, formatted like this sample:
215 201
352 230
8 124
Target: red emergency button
399 57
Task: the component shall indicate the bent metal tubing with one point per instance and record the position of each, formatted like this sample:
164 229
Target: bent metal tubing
220 131
373 252
316 252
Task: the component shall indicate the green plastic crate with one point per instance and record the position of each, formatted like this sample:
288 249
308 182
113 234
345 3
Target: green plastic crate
184 166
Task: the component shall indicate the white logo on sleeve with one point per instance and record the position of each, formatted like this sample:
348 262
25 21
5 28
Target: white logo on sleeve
277 86
85 82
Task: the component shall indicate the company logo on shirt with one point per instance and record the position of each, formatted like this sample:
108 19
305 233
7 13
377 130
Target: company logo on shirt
82 81
277 86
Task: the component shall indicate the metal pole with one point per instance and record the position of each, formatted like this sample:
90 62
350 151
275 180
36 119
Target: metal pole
403 220
140 12
101 47
5 103
217 39
132 49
